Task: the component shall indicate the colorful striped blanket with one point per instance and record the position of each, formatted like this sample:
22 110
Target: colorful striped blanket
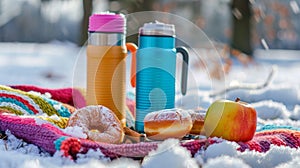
49 134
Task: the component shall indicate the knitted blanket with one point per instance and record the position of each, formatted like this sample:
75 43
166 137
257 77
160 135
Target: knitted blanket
50 136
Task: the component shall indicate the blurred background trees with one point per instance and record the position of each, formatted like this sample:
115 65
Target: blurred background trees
272 24
241 26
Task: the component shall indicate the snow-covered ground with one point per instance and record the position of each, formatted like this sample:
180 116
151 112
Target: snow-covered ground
53 65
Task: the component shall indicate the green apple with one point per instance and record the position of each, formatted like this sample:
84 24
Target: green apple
230 120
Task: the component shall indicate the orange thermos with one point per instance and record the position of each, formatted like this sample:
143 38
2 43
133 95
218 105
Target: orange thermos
106 65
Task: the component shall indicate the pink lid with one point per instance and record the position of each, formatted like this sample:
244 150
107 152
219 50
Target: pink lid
107 22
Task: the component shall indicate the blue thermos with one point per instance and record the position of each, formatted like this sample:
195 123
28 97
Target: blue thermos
155 70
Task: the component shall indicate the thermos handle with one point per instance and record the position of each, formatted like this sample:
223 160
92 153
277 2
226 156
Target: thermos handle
132 48
185 56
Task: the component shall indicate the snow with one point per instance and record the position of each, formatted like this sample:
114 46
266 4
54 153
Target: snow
295 115
270 109
39 121
293 163
226 162
49 65
169 154
278 104
223 148
75 132
224 154
288 95
272 158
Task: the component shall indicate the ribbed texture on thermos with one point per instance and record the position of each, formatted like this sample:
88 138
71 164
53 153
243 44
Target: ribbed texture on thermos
106 68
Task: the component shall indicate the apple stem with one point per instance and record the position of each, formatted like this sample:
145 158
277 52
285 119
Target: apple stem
237 99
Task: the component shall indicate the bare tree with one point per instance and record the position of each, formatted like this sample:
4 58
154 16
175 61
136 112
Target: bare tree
241 26
87 8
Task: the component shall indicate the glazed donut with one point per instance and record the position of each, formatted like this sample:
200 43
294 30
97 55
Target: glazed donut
198 121
169 123
98 123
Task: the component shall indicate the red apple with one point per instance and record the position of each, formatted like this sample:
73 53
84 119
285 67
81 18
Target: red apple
230 120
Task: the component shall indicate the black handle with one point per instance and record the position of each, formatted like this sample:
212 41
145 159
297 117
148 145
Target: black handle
184 75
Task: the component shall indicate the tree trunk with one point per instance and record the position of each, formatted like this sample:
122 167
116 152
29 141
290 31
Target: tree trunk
133 6
87 8
241 26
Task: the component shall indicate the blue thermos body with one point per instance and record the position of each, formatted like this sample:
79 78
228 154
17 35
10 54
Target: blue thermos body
155 70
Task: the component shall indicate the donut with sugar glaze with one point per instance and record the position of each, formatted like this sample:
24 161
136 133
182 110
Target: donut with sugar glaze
198 122
98 123
169 123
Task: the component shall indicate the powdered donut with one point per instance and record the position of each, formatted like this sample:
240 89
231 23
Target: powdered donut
169 123
99 123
